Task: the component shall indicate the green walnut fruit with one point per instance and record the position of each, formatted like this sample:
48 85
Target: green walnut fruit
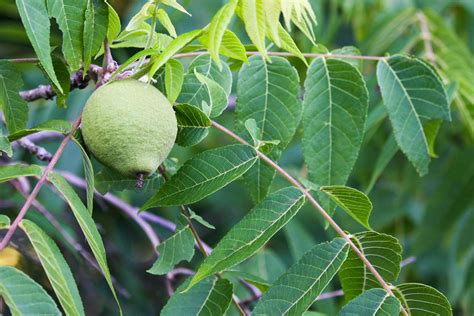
129 126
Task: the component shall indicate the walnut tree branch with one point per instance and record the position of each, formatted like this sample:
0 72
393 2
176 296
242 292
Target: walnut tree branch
317 206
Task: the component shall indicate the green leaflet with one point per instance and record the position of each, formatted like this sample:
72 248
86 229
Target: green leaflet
210 297
269 94
385 254
165 20
35 18
114 26
56 268
174 77
5 145
173 250
95 28
174 47
88 170
23 295
231 46
253 15
197 92
352 201
217 28
335 110
203 175
252 232
4 221
14 108
60 126
295 291
87 225
413 94
421 299
11 172
193 124
374 302
69 14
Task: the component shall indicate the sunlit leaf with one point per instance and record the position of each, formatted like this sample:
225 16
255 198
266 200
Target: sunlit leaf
56 268
253 15
165 20
295 291
174 77
203 175
174 47
174 4
231 46
217 28
23 295
252 232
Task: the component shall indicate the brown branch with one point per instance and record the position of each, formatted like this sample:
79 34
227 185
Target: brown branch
38 186
316 205
34 149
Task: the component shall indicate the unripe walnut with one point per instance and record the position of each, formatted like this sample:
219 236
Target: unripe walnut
129 126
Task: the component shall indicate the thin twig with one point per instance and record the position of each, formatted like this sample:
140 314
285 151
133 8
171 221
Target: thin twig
38 186
316 205
24 60
34 149
67 237
286 54
426 37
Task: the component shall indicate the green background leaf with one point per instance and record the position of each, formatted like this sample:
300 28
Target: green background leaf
412 94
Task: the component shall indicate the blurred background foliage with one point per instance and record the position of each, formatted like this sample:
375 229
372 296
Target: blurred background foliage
432 216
